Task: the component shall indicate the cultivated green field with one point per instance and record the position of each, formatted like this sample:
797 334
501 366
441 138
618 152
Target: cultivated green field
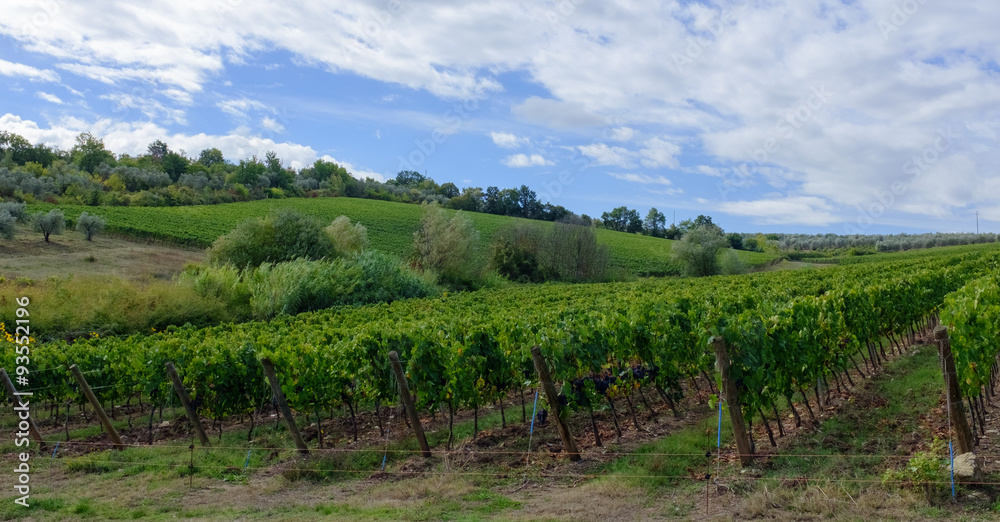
390 226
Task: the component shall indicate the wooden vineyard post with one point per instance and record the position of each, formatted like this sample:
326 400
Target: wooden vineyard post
553 399
97 407
411 410
732 394
186 402
286 412
20 406
963 434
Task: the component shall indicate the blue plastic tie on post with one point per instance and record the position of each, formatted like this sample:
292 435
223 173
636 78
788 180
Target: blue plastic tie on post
55 450
951 454
386 454
719 443
247 463
533 410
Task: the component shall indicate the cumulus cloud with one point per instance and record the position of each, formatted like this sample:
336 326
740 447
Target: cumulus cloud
730 78
602 154
135 137
524 160
655 153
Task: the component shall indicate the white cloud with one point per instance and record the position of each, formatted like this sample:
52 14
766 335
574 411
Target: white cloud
888 97
641 178
507 141
240 107
135 137
52 98
556 114
602 154
524 160
659 153
20 70
149 107
356 172
272 125
622 134
799 210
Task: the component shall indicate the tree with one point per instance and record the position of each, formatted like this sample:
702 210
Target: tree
89 225
528 205
447 247
700 221
209 157
157 150
735 241
174 165
655 223
448 190
698 251
470 200
674 232
409 177
622 219
249 172
89 152
52 223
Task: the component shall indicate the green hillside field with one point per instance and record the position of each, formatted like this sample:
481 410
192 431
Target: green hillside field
390 227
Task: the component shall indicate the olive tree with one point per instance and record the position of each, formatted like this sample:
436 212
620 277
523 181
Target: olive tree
89 225
51 223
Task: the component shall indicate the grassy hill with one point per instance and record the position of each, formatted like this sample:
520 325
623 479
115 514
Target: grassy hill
390 226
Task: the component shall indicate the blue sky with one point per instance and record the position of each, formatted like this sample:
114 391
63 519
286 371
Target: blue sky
813 116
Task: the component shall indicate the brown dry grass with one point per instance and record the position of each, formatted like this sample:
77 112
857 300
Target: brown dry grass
28 256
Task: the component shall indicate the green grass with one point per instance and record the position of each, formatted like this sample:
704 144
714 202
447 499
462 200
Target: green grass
390 227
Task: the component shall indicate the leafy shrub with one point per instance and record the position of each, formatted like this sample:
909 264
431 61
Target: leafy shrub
573 254
447 248
515 253
304 285
19 211
927 470
731 264
564 252
6 224
347 238
279 237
